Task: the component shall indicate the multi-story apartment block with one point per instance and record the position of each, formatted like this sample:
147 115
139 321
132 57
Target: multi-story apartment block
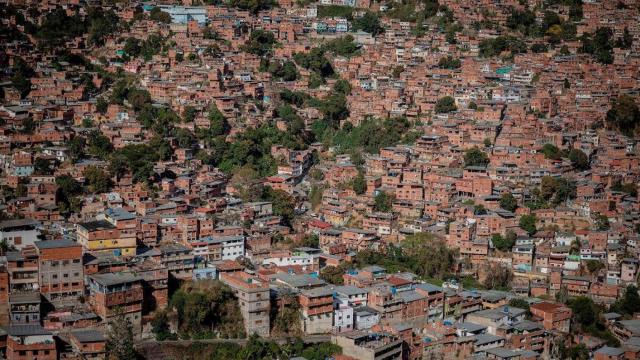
102 236
369 345
23 270
317 310
114 294
554 316
60 278
19 233
253 296
28 342
24 308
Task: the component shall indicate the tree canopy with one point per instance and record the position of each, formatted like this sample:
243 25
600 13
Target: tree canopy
624 115
445 105
369 22
475 157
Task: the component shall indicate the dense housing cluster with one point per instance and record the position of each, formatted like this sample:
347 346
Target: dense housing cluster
433 179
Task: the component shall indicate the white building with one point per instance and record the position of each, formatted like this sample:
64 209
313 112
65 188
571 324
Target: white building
349 295
343 319
365 318
19 233
219 247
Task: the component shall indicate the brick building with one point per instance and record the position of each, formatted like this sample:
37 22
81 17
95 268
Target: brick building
61 278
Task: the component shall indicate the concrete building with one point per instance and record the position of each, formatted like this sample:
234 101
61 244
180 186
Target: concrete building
317 310
23 270
214 248
365 318
88 343
103 237
112 293
369 345
26 342
253 296
554 316
494 318
61 278
343 319
19 233
24 308
184 14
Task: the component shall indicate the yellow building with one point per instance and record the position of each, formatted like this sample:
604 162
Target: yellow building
103 237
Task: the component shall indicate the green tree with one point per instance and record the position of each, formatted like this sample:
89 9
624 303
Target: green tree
602 222
475 157
189 114
283 203
207 306
528 223
332 275
42 166
624 115
579 159
496 46
551 151
160 327
185 138
138 98
629 188
500 277
519 303
626 40
285 71
448 62
445 105
425 254
359 184
383 202
599 44
508 202
577 352
98 145
97 179
132 47
101 105
584 311
321 351
629 303
253 6
101 24
120 345
312 241
218 123
156 14
21 76
369 22
260 42
342 46
594 266
342 86
504 243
